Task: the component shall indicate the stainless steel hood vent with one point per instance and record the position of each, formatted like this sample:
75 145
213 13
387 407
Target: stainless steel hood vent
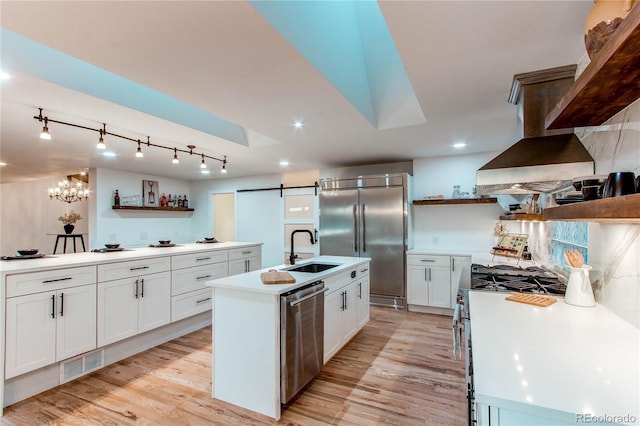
543 160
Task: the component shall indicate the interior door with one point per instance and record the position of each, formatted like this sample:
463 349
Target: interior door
382 238
338 223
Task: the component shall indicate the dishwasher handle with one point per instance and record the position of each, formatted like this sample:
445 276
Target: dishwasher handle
308 296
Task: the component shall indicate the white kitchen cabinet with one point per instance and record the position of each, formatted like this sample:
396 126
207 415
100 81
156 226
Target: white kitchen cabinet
133 305
429 280
346 308
47 327
188 275
245 259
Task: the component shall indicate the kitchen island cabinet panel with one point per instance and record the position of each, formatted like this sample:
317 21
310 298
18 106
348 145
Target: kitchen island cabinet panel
43 328
362 300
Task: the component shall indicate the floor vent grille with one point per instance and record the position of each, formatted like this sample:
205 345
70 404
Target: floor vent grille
79 366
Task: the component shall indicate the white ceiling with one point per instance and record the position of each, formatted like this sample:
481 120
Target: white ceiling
225 58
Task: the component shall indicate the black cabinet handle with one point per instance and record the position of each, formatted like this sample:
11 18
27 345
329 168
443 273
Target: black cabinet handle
138 268
53 306
345 300
359 290
61 304
202 300
203 258
453 264
136 289
142 285
56 280
202 277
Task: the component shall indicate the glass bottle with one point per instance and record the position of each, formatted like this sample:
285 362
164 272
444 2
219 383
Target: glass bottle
169 201
456 191
116 199
163 200
185 202
180 201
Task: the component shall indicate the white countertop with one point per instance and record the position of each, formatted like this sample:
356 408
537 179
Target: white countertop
90 258
251 281
571 359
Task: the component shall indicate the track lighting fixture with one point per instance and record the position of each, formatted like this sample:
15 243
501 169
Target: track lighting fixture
45 131
101 144
223 170
103 133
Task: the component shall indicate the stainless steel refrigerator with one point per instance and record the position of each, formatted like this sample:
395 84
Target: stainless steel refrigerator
368 217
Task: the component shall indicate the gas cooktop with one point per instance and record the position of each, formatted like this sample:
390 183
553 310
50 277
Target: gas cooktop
513 278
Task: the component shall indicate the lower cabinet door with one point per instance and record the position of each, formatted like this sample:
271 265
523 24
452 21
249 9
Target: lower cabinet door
417 285
76 328
30 333
349 315
117 310
332 323
154 301
362 301
238 266
439 287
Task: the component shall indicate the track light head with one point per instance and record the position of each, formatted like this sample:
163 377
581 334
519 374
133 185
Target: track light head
45 131
223 170
139 153
101 144
175 156
203 165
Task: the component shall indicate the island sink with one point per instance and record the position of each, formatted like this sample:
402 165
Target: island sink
314 268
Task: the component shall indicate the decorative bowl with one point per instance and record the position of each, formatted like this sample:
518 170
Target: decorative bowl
27 252
112 245
164 242
209 238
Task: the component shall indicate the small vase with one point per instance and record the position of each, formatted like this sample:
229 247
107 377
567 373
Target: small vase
68 228
602 21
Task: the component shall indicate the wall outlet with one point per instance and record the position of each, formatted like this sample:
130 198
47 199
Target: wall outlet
143 235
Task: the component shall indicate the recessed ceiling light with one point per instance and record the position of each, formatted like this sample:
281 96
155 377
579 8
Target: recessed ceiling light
109 154
298 124
4 76
284 163
205 171
459 145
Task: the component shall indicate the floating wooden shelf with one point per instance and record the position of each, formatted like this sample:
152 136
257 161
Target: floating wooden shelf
615 209
167 209
521 216
608 84
488 200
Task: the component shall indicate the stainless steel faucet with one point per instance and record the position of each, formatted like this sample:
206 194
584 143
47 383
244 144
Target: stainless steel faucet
292 258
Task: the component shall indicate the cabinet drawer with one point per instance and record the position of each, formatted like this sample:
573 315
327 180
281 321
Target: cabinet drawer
339 280
188 304
428 260
198 259
244 252
133 268
185 280
36 282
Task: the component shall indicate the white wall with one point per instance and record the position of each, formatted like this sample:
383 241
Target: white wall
27 216
136 228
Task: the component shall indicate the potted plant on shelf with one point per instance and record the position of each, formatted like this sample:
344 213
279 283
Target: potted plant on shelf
69 220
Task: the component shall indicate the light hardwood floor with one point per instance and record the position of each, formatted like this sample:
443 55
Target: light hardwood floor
398 370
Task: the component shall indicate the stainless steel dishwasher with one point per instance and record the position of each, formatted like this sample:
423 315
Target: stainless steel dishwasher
301 337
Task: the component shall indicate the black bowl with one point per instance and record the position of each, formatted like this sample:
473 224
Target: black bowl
28 252
164 242
112 245
209 238
590 192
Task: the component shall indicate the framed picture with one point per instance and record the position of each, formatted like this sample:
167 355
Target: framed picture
150 193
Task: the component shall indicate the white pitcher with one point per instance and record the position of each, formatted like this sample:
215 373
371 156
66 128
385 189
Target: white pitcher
579 291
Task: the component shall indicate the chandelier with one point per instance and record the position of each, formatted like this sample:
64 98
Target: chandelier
68 192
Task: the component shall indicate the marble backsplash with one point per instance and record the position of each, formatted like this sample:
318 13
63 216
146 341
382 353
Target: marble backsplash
614 248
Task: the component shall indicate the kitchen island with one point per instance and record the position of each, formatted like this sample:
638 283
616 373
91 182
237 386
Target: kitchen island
247 320
66 315
554 365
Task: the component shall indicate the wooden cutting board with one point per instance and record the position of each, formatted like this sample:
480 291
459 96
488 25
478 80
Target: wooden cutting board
276 277
532 299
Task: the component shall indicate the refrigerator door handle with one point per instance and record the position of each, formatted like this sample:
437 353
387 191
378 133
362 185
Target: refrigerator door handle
364 230
355 228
